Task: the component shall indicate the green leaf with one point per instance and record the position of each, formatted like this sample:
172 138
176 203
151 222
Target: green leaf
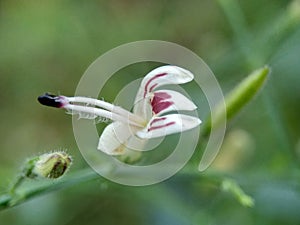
238 97
245 91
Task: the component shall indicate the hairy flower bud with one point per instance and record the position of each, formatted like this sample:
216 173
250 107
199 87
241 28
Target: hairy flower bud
49 165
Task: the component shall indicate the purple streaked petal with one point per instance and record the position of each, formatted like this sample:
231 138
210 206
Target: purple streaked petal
153 82
165 75
169 124
161 106
164 101
160 76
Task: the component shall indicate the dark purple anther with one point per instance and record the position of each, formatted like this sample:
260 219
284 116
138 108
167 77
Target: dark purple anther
51 100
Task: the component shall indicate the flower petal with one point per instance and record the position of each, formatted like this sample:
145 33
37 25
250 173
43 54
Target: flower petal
114 137
164 101
160 76
169 124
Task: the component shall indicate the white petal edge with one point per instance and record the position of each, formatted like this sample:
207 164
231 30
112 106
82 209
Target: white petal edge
160 76
114 137
174 75
169 124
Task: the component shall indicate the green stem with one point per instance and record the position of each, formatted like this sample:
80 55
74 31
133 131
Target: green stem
280 30
23 195
19 181
15 198
280 129
245 41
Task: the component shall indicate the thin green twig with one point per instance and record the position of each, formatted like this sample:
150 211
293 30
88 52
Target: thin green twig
243 37
19 196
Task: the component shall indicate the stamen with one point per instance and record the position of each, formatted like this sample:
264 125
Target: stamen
91 101
110 107
52 100
102 113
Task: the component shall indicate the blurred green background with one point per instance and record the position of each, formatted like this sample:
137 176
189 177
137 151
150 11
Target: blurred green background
47 46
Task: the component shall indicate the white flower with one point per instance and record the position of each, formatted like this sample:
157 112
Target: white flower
148 119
